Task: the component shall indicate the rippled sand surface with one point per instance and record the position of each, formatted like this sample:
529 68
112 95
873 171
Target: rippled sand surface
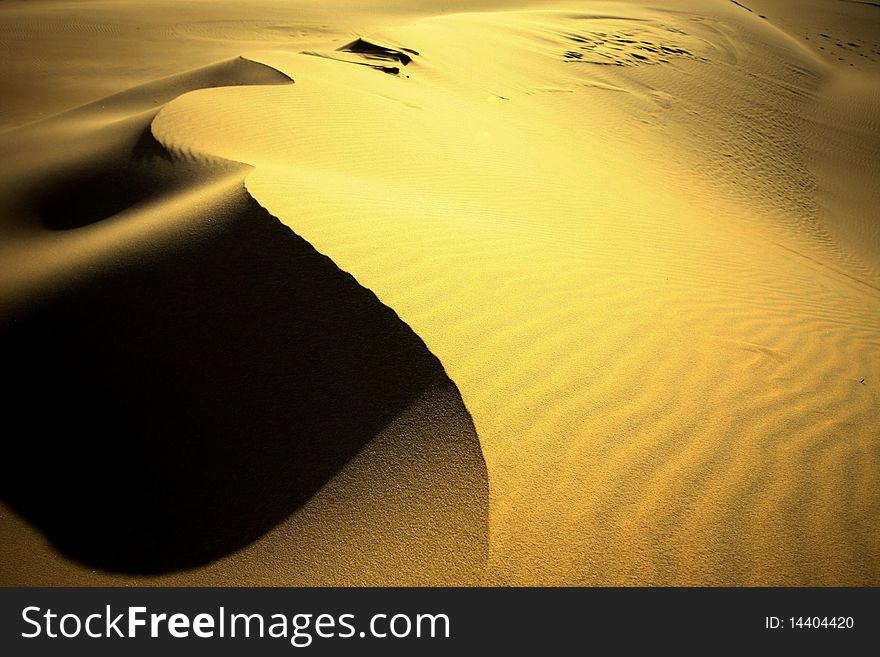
599 283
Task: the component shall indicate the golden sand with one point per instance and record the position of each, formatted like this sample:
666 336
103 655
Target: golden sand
642 242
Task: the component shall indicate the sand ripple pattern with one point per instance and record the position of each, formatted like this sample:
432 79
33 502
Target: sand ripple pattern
671 360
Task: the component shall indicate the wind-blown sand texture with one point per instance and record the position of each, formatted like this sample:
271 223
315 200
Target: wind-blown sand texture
517 293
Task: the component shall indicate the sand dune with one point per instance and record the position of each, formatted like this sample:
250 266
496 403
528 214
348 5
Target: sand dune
213 382
642 242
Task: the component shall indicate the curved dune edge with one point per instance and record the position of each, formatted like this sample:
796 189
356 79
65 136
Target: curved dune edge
205 345
669 352
653 281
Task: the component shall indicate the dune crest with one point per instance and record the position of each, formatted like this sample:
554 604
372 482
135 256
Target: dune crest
667 353
218 385
639 239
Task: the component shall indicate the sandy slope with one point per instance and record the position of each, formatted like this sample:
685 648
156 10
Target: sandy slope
188 377
642 242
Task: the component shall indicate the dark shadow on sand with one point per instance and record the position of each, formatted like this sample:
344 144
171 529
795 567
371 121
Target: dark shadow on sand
112 183
174 409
